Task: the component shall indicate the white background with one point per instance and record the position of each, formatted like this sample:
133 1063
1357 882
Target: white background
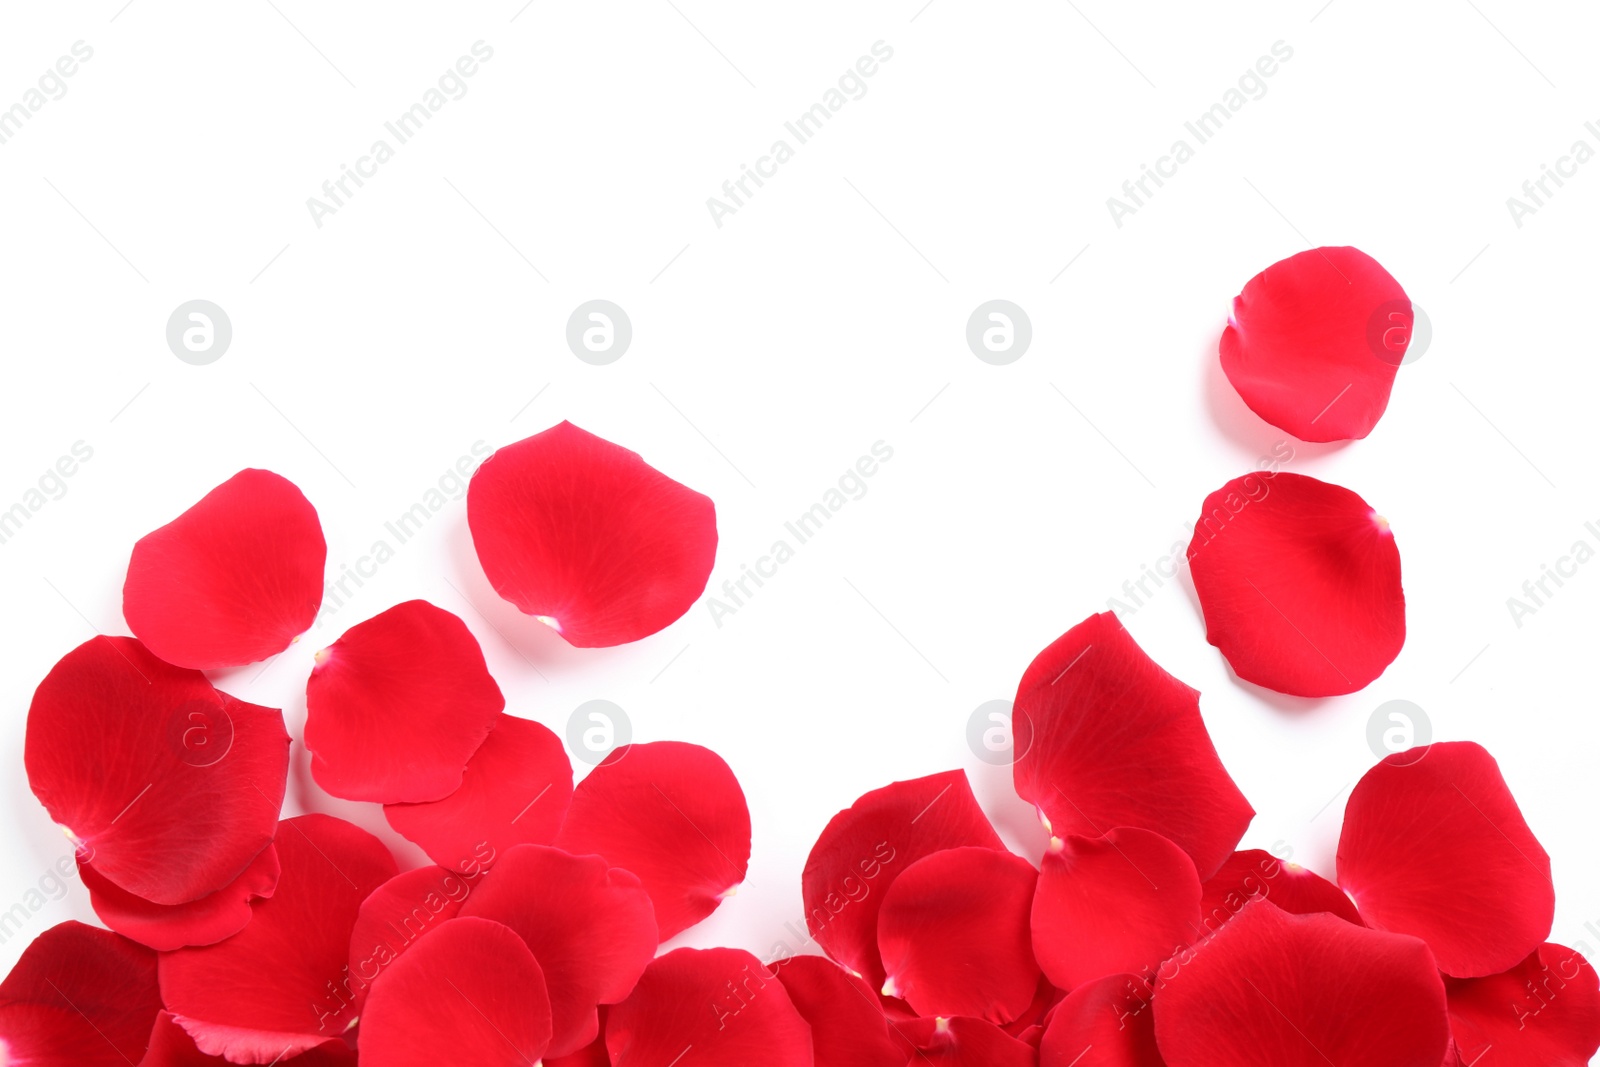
829 313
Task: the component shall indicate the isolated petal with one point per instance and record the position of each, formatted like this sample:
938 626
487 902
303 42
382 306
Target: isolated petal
165 927
716 1007
125 751
1254 873
964 1042
395 915
397 706
954 934
1299 581
587 536
1544 1012
592 928
1314 342
1435 846
470 993
1116 904
1278 990
1107 738
233 580
514 791
673 814
1105 1023
865 847
78 997
848 1027
281 985
171 1046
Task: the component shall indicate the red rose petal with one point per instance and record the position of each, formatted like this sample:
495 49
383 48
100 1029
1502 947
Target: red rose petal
673 814
471 993
588 537
233 580
592 928
1314 342
397 706
395 915
78 997
716 1007
954 935
964 1042
1116 904
848 1027
1106 1023
126 751
1435 846
1254 873
281 985
171 1046
1280 990
864 848
593 1054
1299 581
165 927
1107 738
1544 1012
515 791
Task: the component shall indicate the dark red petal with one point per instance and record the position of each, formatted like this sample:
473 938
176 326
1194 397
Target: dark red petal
593 1054
1114 904
868 844
954 936
1299 581
673 814
515 791
588 537
78 997
1254 873
1314 342
1107 738
168 926
1544 1012
848 1027
964 1042
171 787
1280 990
281 985
1435 846
591 927
395 915
1106 1023
397 706
171 1046
233 580
716 1007
471 993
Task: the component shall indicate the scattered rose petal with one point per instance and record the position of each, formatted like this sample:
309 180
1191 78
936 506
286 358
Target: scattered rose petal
78 997
471 993
964 1042
281 985
954 935
1314 342
1544 1012
1107 738
1299 581
515 791
233 580
1254 873
397 706
586 536
1105 1023
1435 846
848 1028
116 751
673 814
395 915
171 1046
165 927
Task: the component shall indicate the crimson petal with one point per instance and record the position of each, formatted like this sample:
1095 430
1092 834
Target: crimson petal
397 706
1314 342
165 927
588 537
1107 738
78 997
233 580
124 750
171 1046
1435 846
469 993
954 936
515 791
964 1042
592 928
395 915
281 985
1105 1023
1278 990
848 1027
1544 1012
1254 873
1299 581
673 814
